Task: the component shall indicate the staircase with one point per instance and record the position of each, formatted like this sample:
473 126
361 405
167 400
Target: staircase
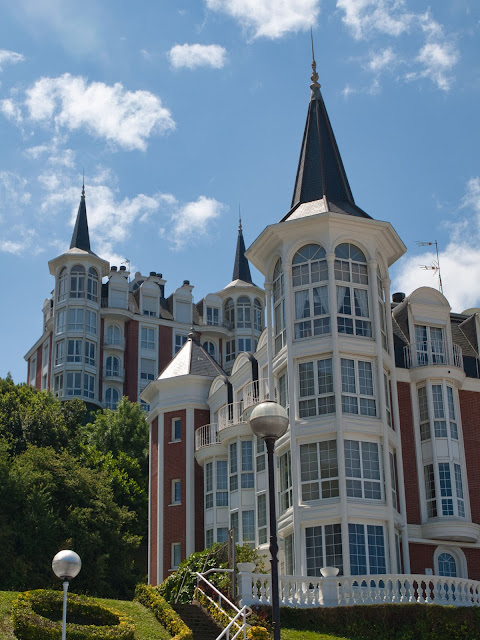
195 617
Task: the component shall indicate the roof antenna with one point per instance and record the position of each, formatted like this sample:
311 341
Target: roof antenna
435 265
314 77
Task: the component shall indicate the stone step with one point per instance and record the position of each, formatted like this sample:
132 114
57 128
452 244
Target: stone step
199 621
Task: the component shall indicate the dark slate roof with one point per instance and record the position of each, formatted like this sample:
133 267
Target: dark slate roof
320 173
80 237
241 268
192 359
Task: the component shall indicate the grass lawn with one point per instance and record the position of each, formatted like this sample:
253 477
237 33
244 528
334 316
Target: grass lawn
146 625
294 634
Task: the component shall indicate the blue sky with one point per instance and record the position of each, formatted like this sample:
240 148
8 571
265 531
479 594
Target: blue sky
180 112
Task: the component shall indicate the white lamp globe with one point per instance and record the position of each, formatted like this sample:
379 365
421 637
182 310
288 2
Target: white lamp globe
269 420
66 564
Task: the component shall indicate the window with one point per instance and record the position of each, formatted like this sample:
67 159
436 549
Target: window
260 455
367 549
222 484
61 321
111 398
208 538
149 306
352 301
148 338
382 310
316 388
429 345
229 314
262 518
59 352
233 466
176 429
91 322
45 354
357 387
230 350
244 313
179 341
112 335
244 344
62 286
74 350
234 525
286 495
393 479
144 406
90 353
444 423
311 302
176 555
257 315
282 390
75 319
222 534
279 306
209 485
58 384
147 369
44 381
209 348
362 470
33 370
447 565
319 470
388 403
289 555
77 282
74 384
88 385
92 285
247 481
451 501
212 316
323 548
112 367
248 527
176 491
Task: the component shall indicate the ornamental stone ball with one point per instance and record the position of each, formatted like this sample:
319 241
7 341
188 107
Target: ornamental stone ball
66 564
269 420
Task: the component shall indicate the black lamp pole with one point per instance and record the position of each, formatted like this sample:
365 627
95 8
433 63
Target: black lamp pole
270 444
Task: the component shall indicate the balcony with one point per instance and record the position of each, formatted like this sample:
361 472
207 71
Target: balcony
114 343
231 415
433 353
113 374
206 436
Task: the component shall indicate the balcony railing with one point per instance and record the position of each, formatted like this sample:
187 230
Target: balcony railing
113 373
230 415
114 343
255 392
435 352
206 435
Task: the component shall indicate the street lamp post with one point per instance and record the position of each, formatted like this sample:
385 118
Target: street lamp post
66 565
269 421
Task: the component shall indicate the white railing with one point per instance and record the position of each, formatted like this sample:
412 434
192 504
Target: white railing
301 591
206 435
423 354
255 392
238 617
230 414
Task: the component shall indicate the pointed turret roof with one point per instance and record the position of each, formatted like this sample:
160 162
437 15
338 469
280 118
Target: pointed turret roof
321 177
241 268
80 237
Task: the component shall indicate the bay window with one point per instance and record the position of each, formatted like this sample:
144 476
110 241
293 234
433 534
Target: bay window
357 387
316 388
323 548
362 470
319 470
309 267
279 306
353 314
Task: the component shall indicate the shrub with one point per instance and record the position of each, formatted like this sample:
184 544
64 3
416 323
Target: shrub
257 633
151 598
37 615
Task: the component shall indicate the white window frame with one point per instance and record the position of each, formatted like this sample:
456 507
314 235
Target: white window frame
316 404
323 555
176 492
176 425
147 338
353 275
370 478
176 556
369 530
369 407
316 483
309 275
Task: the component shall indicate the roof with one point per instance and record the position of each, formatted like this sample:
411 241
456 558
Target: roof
192 359
241 268
320 174
80 237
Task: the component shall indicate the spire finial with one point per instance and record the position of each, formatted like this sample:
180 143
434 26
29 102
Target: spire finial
239 219
314 77
83 185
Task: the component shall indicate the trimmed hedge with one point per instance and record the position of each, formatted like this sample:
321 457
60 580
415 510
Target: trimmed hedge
37 615
150 598
386 621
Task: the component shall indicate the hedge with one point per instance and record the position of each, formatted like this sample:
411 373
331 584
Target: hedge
150 598
385 621
37 615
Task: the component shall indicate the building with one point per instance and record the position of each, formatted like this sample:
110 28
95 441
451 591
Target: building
378 472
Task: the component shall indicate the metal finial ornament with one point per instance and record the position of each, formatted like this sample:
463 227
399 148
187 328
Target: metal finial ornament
314 77
83 184
239 218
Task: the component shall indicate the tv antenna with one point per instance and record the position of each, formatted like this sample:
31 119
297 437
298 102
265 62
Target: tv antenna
435 265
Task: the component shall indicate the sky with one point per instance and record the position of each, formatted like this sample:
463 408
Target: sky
182 113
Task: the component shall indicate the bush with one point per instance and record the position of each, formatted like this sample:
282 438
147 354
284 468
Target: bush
257 633
151 598
37 615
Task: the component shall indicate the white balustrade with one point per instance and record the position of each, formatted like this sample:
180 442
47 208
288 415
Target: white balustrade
435 352
230 415
206 435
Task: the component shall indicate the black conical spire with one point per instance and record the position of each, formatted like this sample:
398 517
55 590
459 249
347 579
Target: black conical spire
320 173
241 268
80 237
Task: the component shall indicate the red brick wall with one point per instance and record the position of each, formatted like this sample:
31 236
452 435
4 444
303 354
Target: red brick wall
470 412
165 347
38 374
409 457
153 502
174 517
473 563
131 360
421 557
202 416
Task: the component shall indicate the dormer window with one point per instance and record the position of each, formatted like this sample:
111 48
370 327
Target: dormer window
212 316
429 345
77 282
149 306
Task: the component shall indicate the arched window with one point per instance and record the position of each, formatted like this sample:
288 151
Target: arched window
209 347
62 285
112 367
229 313
111 398
382 309
112 335
278 306
244 313
447 565
77 282
352 300
309 270
257 315
92 285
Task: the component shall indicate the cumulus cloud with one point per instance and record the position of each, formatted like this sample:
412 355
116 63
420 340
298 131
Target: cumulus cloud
367 17
192 219
459 261
269 18
9 57
192 56
69 103
436 61
380 60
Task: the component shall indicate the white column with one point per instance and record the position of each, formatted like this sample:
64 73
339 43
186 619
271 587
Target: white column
270 329
160 489
190 483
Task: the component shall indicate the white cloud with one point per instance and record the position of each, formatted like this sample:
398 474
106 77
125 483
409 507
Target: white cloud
459 261
119 116
21 240
191 219
11 110
192 56
269 18
366 17
10 57
437 60
383 59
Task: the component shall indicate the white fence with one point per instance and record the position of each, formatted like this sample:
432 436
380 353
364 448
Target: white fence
301 591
